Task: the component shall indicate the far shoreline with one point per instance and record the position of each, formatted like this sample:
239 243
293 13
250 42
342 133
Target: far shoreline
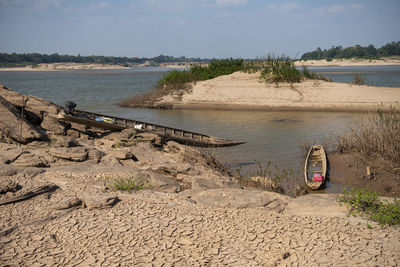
65 66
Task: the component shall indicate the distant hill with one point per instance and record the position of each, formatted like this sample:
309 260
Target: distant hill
357 51
17 60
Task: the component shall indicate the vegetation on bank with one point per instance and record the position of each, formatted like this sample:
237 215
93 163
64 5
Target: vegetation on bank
357 51
33 59
176 82
368 204
378 137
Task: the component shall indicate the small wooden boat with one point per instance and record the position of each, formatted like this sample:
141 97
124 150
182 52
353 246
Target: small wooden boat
117 124
315 167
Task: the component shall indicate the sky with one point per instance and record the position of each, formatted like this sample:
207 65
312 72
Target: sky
194 28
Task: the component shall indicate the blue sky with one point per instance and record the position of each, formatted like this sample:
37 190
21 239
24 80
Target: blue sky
194 28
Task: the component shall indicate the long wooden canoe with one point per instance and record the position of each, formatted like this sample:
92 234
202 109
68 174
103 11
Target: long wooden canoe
116 124
315 167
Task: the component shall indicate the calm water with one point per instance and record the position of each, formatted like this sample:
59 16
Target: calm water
270 136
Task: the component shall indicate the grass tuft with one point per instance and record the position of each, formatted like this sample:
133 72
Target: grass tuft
128 184
358 78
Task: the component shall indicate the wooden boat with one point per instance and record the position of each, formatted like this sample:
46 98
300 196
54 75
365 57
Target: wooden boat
116 124
315 167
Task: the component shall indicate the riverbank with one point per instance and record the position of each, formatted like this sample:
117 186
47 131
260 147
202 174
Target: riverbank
65 201
245 91
66 66
347 62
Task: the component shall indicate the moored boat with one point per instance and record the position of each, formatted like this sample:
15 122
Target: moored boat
168 133
315 167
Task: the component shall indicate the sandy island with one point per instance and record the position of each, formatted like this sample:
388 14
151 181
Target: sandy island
245 91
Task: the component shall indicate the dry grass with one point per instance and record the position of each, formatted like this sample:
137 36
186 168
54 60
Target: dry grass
378 136
358 78
150 98
212 161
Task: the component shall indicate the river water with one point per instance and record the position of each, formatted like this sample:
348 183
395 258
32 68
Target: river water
270 136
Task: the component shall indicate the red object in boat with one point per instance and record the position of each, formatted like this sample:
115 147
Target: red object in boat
318 178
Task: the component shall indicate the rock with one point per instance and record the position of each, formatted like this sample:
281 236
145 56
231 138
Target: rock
15 128
98 201
8 170
31 172
162 183
96 154
199 183
10 155
149 137
110 160
32 103
73 133
238 198
144 152
122 154
127 134
66 204
7 185
51 124
70 153
316 205
67 142
31 160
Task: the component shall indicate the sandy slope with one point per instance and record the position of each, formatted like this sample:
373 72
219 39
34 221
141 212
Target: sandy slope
245 91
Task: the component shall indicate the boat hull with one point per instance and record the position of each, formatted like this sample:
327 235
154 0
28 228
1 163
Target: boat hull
315 166
167 133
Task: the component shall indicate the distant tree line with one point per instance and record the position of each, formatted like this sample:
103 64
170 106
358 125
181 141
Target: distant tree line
357 51
15 59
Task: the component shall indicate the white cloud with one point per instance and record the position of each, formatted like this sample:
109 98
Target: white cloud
102 4
231 2
333 9
285 7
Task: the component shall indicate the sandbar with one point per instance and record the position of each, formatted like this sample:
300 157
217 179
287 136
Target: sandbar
247 92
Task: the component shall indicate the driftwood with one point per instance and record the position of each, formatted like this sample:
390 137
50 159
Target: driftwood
27 195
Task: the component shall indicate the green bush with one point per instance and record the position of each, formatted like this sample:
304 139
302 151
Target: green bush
368 204
215 68
128 184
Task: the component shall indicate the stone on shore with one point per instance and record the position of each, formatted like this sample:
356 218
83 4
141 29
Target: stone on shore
31 160
51 124
238 198
316 205
98 201
34 104
161 183
66 204
200 183
70 153
7 185
15 128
